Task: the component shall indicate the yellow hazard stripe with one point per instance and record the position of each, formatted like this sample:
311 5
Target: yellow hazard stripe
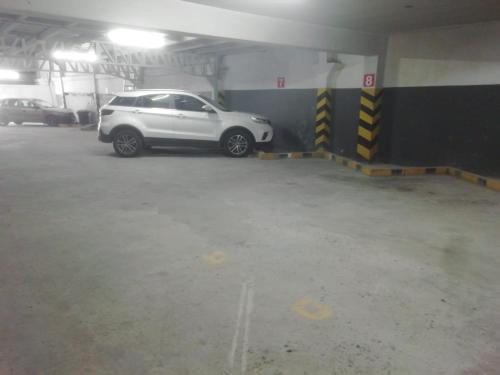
493 184
368 135
367 153
366 117
322 115
371 120
321 91
322 127
469 177
413 171
368 103
322 103
322 139
371 91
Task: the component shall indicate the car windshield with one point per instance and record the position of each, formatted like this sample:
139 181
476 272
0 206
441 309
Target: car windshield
42 103
215 104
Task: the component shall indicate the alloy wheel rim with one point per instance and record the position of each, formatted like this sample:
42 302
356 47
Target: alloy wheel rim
126 144
237 144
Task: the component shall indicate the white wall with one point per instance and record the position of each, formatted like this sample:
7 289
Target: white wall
302 69
460 55
168 79
26 91
260 70
80 89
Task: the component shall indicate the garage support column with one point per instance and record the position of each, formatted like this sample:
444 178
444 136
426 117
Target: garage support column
371 107
322 129
96 91
61 78
217 81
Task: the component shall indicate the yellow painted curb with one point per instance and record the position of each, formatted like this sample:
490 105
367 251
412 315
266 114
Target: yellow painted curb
367 170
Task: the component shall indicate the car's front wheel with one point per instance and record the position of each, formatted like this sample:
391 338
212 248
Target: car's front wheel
51 121
238 143
127 143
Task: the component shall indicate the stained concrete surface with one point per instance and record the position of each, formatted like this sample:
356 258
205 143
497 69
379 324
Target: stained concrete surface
193 263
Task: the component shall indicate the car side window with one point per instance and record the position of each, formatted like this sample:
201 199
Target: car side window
124 101
24 103
188 103
163 101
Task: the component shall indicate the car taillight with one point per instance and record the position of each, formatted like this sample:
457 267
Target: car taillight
106 112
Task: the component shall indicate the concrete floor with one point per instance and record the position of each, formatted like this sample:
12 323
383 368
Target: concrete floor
193 263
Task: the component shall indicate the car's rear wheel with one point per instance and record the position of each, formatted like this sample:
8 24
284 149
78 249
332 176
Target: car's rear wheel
51 121
238 143
127 143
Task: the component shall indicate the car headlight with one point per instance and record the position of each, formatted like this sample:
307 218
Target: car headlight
260 120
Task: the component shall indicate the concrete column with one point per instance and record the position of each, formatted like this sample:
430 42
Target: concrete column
371 106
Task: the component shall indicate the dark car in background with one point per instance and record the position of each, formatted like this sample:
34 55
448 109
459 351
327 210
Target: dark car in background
18 110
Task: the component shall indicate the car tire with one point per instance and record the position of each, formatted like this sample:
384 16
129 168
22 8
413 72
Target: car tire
127 143
51 121
238 143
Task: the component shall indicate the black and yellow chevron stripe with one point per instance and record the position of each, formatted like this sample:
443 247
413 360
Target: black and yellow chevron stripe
369 119
323 120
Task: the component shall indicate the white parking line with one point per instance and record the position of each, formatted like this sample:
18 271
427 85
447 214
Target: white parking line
245 307
246 334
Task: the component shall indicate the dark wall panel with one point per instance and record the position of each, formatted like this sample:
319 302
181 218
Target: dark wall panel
455 125
346 106
291 111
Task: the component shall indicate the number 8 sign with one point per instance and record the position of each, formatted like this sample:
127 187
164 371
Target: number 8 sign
369 80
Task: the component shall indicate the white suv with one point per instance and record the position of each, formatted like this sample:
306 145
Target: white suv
142 119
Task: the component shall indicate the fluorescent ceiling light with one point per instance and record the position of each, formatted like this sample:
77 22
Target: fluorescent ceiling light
89 56
9 75
137 38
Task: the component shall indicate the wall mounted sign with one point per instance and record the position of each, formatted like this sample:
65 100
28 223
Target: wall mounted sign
369 80
281 82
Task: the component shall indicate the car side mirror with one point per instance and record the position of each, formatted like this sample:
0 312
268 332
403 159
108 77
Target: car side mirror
208 108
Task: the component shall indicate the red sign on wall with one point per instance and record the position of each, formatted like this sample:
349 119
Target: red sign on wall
281 82
369 80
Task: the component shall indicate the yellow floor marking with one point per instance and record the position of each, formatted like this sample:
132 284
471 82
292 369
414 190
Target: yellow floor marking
215 258
309 309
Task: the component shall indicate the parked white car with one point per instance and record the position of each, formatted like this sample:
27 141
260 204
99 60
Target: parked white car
141 119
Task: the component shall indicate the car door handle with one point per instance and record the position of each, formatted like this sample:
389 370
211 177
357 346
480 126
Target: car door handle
180 115
137 111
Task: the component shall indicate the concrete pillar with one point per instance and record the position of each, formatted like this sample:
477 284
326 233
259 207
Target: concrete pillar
370 112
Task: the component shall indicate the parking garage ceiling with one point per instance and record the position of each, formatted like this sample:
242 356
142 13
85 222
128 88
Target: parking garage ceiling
183 17
380 16
221 27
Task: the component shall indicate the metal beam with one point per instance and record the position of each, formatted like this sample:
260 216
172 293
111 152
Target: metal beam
195 19
10 25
